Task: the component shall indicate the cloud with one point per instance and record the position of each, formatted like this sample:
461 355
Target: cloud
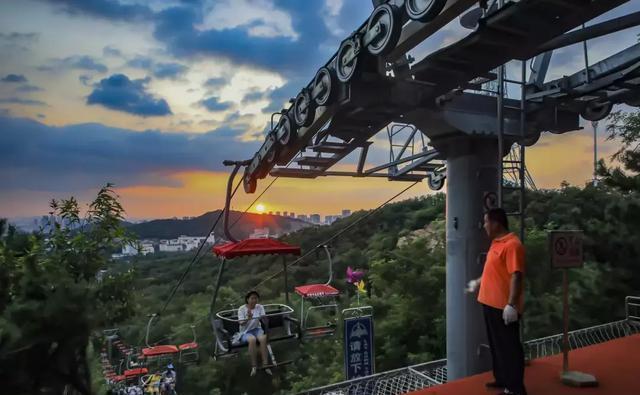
111 51
140 62
85 80
279 97
261 18
214 105
35 156
74 62
21 38
29 88
14 78
253 97
119 93
18 100
217 82
169 70
160 70
176 27
106 9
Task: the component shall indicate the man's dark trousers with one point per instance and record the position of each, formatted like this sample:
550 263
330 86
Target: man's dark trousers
506 350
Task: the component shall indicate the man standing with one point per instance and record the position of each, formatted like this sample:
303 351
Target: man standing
502 298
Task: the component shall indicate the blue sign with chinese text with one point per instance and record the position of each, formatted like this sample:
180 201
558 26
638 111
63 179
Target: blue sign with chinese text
358 347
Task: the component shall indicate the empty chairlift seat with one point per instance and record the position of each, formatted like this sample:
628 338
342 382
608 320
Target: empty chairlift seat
320 318
189 351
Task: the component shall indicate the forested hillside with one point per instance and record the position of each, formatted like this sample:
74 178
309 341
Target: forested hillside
402 250
199 226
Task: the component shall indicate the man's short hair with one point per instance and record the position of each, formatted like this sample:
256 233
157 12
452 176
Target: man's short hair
500 216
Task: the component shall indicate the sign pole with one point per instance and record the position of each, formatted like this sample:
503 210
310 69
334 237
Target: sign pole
565 247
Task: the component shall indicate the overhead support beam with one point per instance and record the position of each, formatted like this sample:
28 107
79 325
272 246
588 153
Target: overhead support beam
593 31
415 32
540 68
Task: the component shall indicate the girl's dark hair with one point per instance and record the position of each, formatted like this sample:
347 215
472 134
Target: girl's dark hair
500 216
248 295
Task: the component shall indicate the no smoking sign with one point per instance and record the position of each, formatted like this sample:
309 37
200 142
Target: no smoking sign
565 248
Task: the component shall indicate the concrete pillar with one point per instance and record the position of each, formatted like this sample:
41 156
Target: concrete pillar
472 172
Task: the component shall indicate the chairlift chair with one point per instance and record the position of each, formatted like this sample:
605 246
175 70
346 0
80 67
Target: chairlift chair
278 323
189 352
322 298
157 355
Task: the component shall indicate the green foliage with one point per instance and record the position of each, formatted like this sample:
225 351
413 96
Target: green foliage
402 248
52 299
625 127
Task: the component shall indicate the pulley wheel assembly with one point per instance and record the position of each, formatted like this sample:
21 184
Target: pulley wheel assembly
324 84
304 109
384 28
285 131
435 181
424 10
347 60
596 111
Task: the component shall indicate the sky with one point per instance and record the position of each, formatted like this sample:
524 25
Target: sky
153 95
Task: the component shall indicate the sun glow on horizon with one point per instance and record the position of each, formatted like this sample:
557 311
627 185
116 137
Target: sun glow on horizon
260 208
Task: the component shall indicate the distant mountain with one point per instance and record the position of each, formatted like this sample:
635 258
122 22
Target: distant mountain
199 226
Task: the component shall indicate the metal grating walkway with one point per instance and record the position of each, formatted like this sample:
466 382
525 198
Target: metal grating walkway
429 374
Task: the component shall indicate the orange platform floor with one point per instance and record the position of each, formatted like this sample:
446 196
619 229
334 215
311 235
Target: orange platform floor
616 365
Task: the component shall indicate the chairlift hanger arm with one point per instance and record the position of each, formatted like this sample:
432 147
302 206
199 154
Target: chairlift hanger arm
227 204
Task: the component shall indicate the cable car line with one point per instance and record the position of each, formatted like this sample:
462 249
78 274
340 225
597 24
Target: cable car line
196 257
329 240
254 202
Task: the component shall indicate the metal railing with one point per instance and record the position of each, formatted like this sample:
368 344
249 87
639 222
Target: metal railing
429 374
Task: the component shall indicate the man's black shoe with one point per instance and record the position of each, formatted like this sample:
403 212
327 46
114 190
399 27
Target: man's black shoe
507 392
494 384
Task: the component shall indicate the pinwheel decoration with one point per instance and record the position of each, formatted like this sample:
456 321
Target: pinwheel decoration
354 276
360 287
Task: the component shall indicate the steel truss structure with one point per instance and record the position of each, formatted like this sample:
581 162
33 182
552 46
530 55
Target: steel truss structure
441 121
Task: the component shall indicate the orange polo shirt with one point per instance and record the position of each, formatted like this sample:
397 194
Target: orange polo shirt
505 257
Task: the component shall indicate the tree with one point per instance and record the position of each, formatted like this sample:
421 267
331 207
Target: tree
624 126
52 300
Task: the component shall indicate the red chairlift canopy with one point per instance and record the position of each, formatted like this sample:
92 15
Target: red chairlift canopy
316 291
159 350
255 247
135 372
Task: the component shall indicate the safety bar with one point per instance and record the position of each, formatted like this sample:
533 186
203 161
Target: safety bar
360 311
287 310
629 303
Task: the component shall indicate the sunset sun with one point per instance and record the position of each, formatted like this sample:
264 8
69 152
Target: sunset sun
260 208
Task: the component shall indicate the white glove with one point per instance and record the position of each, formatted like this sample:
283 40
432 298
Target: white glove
509 314
472 286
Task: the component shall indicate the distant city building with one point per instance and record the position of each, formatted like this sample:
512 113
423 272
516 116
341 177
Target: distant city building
184 243
346 213
285 214
292 214
314 218
278 213
303 217
329 219
259 233
146 247
270 212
